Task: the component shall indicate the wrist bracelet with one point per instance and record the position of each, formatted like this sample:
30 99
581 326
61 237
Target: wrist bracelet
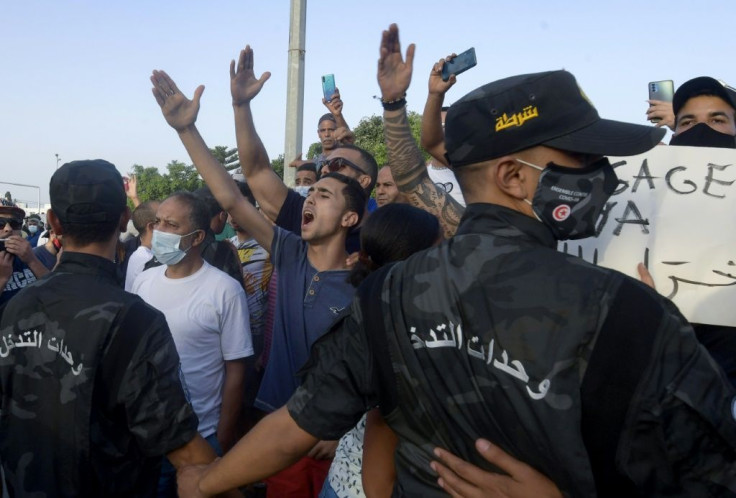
394 105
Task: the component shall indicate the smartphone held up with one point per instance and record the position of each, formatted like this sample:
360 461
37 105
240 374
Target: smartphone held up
459 64
328 86
661 90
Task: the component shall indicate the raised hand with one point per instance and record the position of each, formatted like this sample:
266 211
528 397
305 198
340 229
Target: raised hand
662 111
334 105
394 73
436 85
131 189
343 135
179 111
244 85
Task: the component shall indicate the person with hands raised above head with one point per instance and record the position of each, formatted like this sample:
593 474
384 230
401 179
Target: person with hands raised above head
278 202
407 163
433 123
334 105
310 270
433 131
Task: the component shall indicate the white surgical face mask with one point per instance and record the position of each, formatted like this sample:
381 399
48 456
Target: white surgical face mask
302 190
165 246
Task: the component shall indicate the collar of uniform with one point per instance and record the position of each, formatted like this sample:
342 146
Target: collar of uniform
79 262
504 222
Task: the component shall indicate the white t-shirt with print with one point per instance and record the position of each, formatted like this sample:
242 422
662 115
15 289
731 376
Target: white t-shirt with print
208 316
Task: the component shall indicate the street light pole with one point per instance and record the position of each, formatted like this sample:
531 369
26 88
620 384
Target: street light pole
295 87
57 160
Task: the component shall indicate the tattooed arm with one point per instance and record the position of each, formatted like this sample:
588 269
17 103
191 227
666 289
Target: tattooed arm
404 156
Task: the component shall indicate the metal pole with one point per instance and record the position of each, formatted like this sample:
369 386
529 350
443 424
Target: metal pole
295 87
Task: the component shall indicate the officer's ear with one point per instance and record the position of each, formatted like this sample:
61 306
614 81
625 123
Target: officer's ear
514 179
53 220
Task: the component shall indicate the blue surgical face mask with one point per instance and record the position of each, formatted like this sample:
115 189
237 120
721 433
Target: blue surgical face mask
33 228
302 190
165 246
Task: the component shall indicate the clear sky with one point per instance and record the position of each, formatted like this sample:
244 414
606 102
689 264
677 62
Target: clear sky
74 78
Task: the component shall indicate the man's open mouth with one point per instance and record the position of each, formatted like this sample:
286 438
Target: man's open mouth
307 218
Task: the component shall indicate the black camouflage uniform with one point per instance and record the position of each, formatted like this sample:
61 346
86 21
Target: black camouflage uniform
90 390
583 373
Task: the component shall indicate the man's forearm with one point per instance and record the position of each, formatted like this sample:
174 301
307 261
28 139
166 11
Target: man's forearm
268 189
38 269
433 137
215 176
340 121
410 173
224 189
272 445
232 403
196 451
252 152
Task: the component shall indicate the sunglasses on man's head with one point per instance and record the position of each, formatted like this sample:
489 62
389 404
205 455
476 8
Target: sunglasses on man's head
15 224
337 163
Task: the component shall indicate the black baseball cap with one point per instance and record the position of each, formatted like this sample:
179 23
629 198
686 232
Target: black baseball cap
702 85
87 192
524 111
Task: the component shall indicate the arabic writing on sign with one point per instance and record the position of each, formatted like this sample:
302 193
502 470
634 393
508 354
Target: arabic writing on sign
452 337
518 119
34 339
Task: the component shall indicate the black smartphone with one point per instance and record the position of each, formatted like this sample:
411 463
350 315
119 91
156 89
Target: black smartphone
328 86
2 244
661 90
459 64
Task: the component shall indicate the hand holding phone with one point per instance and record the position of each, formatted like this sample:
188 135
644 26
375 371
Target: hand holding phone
459 64
663 91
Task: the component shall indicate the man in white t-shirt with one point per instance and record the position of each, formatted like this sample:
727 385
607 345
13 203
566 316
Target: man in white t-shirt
143 218
207 313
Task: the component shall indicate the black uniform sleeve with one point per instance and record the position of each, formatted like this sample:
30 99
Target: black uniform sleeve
152 392
290 214
338 386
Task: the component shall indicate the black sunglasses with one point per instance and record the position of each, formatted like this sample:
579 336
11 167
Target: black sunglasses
15 224
337 163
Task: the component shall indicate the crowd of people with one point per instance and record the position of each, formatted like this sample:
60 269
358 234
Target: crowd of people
405 329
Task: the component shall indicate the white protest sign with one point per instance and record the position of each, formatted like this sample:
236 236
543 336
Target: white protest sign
674 210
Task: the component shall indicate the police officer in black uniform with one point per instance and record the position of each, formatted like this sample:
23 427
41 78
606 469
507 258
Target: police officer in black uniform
588 376
90 390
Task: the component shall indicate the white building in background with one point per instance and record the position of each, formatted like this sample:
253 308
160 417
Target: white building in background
31 207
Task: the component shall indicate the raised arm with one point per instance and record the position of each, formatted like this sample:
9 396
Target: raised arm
181 114
433 136
268 189
131 190
334 105
407 163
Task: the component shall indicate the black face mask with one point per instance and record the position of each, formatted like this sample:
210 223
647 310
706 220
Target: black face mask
570 200
702 135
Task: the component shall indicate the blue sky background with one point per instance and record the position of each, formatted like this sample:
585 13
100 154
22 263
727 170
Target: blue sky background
74 77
